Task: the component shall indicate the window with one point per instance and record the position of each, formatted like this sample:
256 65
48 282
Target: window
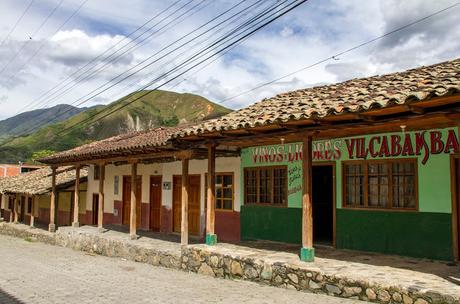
389 184
97 172
266 185
224 191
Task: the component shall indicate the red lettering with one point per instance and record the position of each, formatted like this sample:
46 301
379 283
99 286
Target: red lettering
371 146
407 148
437 146
395 145
351 143
361 148
384 150
452 142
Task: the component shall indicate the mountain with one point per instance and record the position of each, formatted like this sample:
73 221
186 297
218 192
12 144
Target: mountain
23 122
158 108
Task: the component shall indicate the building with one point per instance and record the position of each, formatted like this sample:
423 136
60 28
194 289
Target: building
26 198
13 170
368 164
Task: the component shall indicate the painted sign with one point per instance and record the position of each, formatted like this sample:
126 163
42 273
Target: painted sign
323 150
422 143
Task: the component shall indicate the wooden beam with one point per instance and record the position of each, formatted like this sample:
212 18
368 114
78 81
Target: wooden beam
76 201
52 225
307 252
184 202
100 217
415 109
16 211
211 237
133 207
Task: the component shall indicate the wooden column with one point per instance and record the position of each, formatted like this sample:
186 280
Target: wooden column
100 218
52 225
76 202
134 198
16 207
11 211
32 212
211 237
307 252
184 203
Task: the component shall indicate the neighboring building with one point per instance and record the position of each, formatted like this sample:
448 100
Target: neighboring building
30 194
13 170
369 164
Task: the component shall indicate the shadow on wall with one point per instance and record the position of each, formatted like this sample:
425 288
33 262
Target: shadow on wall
7 298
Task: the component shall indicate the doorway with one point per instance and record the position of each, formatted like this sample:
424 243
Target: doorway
323 203
21 209
193 204
127 200
155 202
455 180
95 208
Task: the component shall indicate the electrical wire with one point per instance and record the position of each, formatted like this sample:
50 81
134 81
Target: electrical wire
17 23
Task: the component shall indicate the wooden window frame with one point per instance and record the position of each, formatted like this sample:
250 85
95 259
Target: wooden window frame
390 184
284 205
232 174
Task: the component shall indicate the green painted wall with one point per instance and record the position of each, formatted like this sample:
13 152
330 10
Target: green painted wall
417 234
398 232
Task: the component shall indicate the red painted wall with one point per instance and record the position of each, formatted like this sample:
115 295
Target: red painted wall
227 226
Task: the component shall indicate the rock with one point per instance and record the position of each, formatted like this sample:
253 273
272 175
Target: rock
333 289
319 278
313 285
383 296
278 280
250 272
214 261
206 270
293 277
303 284
267 272
236 269
351 291
371 294
420 301
397 297
289 286
309 275
407 299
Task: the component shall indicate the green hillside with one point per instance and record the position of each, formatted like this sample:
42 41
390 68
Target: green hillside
159 108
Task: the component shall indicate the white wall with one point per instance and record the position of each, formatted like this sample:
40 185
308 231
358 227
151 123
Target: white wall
166 170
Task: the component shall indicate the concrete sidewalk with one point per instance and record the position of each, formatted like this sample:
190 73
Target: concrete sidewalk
350 274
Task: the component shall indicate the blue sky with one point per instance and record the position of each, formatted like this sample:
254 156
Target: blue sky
316 30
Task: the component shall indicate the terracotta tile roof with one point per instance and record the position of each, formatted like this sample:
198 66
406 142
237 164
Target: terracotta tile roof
141 140
357 95
39 181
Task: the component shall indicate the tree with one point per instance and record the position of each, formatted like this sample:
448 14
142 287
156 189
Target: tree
40 154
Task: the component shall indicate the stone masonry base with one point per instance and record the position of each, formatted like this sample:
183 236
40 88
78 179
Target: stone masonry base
209 260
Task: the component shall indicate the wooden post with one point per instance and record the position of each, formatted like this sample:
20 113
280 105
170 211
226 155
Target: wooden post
100 218
133 210
184 202
32 212
307 252
76 202
11 211
16 207
211 237
52 225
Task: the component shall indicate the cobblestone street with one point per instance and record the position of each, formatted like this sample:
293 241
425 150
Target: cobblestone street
32 272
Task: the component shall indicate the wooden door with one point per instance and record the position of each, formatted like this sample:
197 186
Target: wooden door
155 202
127 200
193 204
95 208
22 208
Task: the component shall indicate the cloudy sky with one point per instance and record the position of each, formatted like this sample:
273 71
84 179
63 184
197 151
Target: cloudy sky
38 56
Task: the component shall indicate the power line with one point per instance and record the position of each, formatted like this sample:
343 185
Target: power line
17 23
44 41
277 15
31 36
99 56
334 57
158 52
